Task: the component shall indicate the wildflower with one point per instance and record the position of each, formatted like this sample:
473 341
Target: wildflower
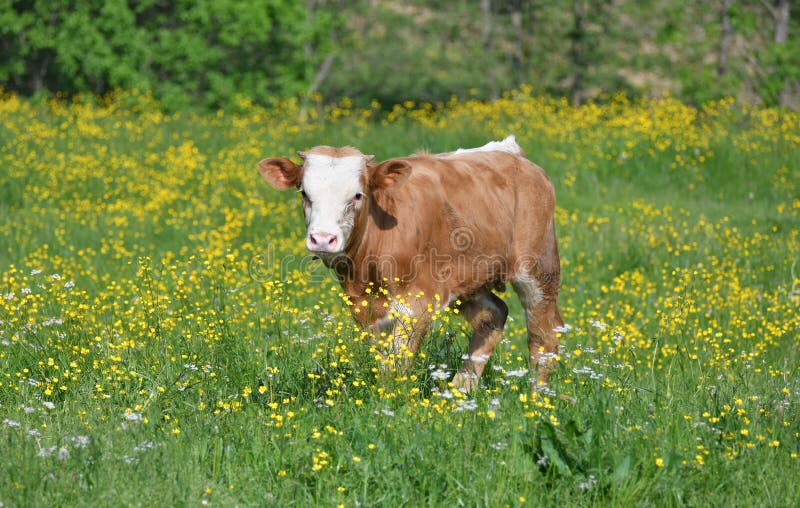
46 452
565 328
466 405
144 446
440 374
589 483
598 324
80 441
133 417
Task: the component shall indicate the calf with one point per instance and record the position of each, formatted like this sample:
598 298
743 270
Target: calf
413 234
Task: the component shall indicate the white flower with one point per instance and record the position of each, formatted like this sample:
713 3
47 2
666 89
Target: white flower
440 374
598 324
565 328
447 394
80 441
48 404
36 271
587 371
589 483
63 453
11 423
133 417
46 452
144 446
467 405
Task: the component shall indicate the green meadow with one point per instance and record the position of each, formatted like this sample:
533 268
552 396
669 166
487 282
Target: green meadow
166 341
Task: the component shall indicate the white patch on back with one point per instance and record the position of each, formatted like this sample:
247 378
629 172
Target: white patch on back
509 144
330 183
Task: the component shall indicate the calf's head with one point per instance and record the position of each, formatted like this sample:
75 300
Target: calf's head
335 185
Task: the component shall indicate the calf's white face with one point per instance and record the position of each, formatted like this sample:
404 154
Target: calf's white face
332 193
334 184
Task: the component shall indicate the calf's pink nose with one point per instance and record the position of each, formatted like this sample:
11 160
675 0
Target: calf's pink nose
322 242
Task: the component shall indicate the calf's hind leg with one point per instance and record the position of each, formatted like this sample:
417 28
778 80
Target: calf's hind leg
486 313
542 317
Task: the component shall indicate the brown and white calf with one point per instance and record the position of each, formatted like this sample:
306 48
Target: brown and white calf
416 233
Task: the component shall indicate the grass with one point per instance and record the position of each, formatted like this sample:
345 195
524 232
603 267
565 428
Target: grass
164 339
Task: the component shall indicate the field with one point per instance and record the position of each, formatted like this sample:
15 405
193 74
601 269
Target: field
165 340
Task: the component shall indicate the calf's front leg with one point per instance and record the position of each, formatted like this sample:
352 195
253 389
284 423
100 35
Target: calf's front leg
399 334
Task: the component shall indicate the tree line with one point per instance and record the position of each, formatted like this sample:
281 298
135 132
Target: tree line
206 53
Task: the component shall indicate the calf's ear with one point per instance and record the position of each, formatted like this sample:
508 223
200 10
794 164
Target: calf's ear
388 174
280 172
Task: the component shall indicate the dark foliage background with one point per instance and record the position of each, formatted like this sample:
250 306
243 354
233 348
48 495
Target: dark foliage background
207 53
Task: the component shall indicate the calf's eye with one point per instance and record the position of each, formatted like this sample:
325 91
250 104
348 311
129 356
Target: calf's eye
358 196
